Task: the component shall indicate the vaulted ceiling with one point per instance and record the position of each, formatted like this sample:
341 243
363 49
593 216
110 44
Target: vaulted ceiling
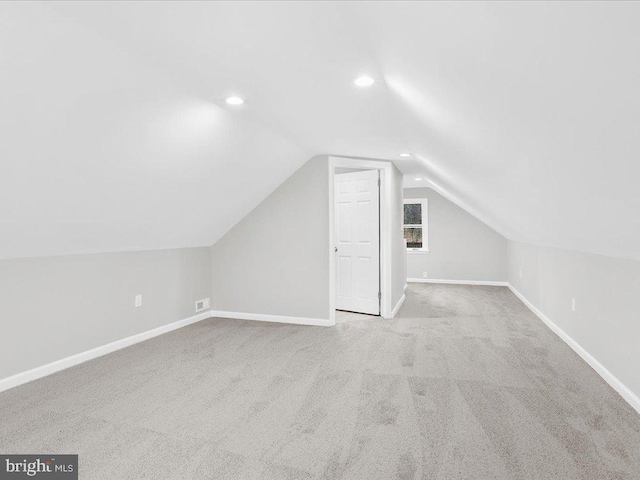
116 136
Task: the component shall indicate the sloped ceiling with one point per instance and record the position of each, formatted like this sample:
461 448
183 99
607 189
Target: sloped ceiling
115 134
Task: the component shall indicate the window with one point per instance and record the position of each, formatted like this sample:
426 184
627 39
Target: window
415 226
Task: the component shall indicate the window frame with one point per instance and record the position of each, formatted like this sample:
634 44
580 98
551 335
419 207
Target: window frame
424 225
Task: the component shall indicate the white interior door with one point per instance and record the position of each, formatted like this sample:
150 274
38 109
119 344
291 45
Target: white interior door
357 216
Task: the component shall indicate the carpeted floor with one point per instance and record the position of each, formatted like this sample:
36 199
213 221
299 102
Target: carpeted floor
465 384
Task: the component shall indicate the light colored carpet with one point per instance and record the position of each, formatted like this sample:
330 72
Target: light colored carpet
343 317
465 384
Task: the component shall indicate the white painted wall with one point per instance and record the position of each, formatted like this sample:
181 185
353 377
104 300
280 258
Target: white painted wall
398 257
103 111
606 322
493 146
461 247
55 307
102 152
339 170
275 261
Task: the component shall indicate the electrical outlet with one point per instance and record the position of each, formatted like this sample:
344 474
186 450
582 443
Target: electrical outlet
203 304
424 275
138 302
573 304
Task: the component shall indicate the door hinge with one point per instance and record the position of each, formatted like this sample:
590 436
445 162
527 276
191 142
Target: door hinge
378 182
379 296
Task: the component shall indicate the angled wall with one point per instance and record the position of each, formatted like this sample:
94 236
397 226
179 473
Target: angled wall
461 247
103 151
275 261
606 320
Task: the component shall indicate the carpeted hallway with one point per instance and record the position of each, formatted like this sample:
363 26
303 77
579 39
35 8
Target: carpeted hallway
465 384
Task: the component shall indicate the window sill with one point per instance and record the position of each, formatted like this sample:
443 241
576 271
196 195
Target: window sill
418 252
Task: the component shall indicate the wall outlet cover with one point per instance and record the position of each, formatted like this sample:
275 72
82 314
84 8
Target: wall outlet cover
424 275
138 301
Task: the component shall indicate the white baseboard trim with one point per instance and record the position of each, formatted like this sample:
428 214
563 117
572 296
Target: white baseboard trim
458 282
398 305
260 317
611 379
73 360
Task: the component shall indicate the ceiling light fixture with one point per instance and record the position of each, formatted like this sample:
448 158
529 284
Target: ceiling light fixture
418 178
363 81
405 155
235 101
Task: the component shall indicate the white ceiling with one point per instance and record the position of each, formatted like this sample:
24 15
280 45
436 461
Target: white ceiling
115 134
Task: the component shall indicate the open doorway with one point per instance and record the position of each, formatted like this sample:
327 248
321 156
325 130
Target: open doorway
360 237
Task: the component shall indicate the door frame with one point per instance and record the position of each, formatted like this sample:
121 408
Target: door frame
385 229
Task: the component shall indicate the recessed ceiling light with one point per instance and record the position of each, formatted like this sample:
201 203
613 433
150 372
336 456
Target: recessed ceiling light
418 178
363 81
235 101
405 155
